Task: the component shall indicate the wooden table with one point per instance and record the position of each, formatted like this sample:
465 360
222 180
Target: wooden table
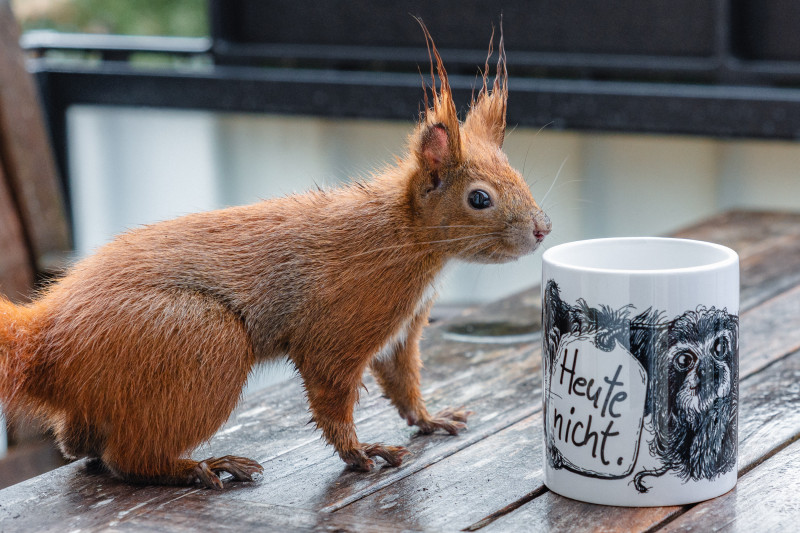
489 477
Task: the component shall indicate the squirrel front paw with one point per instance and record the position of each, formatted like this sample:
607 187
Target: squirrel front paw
449 419
359 458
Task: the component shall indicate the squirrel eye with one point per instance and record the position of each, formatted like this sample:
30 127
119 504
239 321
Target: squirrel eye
684 361
479 199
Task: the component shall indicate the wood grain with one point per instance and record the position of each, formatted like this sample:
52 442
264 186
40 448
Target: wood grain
745 231
16 272
193 510
25 149
768 244
465 487
72 498
769 414
765 499
770 271
769 418
769 331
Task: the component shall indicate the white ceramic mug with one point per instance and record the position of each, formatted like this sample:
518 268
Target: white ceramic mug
640 364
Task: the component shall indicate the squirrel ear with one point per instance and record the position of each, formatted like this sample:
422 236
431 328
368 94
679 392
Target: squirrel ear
438 141
434 147
487 113
433 153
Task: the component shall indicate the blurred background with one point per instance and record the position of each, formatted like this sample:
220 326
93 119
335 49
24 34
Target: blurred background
633 119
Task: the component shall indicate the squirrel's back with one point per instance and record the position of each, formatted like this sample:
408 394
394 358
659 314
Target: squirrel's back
270 270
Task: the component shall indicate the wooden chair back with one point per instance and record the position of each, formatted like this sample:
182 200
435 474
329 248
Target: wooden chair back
34 229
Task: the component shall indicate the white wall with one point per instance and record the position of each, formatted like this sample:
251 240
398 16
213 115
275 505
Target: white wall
759 175
136 166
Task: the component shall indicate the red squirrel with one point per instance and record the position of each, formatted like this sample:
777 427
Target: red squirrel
140 352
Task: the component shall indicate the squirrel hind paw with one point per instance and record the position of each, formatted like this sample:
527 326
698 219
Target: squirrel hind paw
359 459
242 469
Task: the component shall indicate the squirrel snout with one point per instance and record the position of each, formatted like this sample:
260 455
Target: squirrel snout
542 226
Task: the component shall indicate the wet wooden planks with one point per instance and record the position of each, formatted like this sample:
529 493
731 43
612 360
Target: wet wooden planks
769 418
466 487
765 499
193 510
300 470
766 242
487 478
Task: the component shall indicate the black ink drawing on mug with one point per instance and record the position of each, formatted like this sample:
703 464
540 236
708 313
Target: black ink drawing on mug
596 379
694 395
692 380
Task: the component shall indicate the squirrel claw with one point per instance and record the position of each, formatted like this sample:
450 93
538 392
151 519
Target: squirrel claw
361 464
241 468
391 454
359 459
458 414
206 476
449 419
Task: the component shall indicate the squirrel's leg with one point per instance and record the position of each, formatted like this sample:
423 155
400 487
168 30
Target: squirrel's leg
398 373
77 439
331 397
196 373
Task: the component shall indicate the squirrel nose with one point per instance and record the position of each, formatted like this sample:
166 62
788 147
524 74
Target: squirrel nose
542 226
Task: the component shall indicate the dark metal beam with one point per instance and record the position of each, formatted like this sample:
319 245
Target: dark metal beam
649 107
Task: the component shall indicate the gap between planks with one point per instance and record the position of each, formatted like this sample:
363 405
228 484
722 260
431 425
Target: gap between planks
513 506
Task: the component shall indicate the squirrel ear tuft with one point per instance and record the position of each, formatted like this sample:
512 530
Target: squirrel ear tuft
487 114
439 140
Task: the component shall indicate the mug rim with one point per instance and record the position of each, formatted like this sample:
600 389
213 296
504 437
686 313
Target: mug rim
728 256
